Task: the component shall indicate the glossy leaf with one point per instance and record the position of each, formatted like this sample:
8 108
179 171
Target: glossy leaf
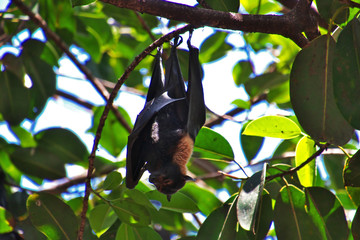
327 213
250 145
352 171
205 199
114 135
241 103
262 83
101 218
81 2
214 47
273 126
131 213
334 166
178 203
17 204
311 93
25 137
221 224
354 194
297 224
210 143
346 73
5 221
52 216
264 217
112 180
249 200
241 72
14 97
355 226
328 8
58 145
40 73
262 7
128 232
304 150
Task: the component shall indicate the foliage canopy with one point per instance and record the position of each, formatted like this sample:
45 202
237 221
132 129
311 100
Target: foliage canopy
314 79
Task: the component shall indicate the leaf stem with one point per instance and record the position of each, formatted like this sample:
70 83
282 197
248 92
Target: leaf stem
323 147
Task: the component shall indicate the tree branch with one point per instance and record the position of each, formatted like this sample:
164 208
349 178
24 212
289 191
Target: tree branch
295 169
290 25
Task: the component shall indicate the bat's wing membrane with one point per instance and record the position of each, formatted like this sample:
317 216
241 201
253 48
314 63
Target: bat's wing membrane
195 94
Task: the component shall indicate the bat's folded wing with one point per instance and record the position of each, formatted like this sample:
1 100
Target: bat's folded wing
135 163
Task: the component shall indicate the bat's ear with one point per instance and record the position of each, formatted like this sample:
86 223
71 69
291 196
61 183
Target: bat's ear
188 178
168 196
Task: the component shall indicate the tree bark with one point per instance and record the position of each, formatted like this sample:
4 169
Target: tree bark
290 25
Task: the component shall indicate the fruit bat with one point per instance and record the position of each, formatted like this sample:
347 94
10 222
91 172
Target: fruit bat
165 130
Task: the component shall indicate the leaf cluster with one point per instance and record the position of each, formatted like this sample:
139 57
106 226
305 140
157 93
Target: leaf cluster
317 84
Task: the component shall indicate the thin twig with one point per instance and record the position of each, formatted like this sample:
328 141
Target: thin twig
105 113
295 169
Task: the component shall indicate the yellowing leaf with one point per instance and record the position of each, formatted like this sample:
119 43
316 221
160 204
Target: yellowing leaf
273 126
304 149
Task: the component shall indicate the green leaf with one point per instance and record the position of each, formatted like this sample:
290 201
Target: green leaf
222 224
334 165
354 194
312 96
17 204
224 5
112 180
179 202
7 165
355 226
304 150
128 232
81 2
40 73
55 148
327 9
273 126
265 82
5 218
214 47
327 213
204 199
101 218
260 7
52 216
114 135
249 200
30 232
25 137
14 97
241 72
263 218
290 218
212 144
250 145
346 73
131 212
352 171
241 103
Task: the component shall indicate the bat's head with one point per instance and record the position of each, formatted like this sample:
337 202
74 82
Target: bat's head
169 180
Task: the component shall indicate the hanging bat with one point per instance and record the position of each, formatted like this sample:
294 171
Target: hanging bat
165 130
